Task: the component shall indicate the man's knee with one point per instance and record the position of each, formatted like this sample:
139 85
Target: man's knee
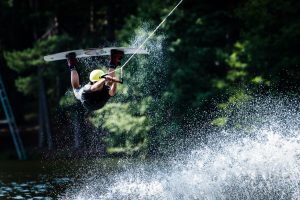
77 93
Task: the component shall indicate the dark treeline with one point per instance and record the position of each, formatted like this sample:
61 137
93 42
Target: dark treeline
214 55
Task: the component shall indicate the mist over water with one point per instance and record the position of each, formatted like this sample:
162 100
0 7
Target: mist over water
257 157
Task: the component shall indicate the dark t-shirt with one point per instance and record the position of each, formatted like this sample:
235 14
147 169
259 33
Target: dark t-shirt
95 100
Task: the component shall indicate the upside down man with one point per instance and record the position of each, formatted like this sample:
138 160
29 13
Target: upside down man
95 94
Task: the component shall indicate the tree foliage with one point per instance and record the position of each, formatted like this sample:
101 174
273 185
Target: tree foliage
209 56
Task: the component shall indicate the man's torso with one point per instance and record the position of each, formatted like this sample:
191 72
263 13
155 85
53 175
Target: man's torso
94 100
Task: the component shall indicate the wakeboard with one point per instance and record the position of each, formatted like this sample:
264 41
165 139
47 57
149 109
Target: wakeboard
83 53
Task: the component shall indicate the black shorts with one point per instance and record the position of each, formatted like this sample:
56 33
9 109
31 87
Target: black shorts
79 91
92 100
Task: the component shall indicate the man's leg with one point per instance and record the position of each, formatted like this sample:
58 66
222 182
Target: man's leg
75 79
115 60
72 62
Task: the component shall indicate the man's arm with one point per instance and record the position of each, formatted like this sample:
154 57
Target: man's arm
113 89
112 82
98 85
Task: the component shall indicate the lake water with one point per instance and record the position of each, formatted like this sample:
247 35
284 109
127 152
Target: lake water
45 179
261 161
33 180
262 167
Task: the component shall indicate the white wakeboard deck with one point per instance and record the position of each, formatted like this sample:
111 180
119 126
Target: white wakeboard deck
83 53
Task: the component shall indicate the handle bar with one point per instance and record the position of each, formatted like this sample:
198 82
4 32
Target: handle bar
114 80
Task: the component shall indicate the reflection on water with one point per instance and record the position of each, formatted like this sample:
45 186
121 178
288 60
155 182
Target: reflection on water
48 179
42 189
33 180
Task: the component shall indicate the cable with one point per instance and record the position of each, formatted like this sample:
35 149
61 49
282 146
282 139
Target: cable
151 34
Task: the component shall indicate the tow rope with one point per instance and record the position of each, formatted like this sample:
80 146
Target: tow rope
151 34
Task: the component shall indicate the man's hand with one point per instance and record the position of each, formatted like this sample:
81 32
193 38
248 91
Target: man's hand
111 79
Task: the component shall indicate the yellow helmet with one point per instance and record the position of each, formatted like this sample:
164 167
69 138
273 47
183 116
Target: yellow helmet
96 74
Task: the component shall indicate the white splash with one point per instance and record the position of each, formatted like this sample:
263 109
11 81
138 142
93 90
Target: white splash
230 165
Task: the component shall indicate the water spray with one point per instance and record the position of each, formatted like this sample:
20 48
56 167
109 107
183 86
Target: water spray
151 34
258 160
